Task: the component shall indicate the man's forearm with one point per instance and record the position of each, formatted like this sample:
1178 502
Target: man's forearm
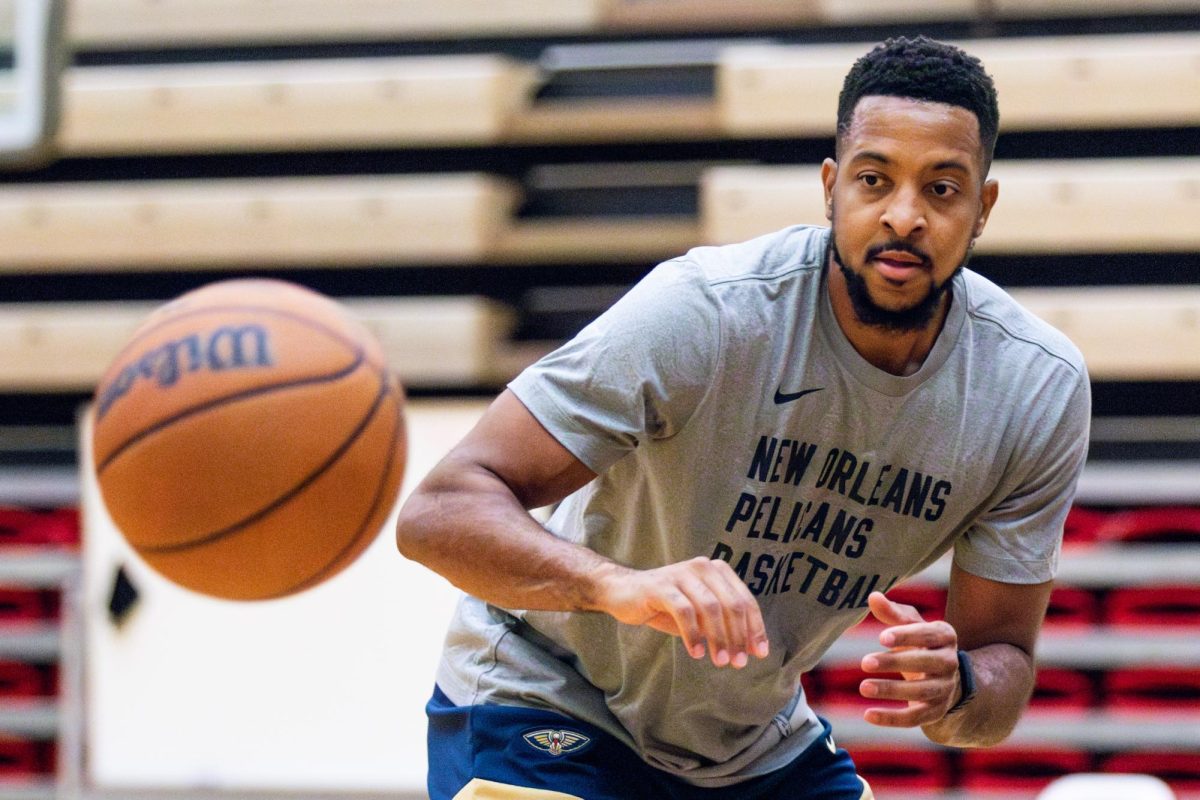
467 526
478 537
1004 677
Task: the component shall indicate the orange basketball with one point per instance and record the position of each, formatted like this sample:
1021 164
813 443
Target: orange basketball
249 440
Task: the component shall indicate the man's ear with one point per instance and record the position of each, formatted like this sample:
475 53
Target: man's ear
829 169
987 199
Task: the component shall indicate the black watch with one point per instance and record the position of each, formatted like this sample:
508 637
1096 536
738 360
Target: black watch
966 679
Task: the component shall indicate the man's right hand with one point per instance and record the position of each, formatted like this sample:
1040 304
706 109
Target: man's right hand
702 601
468 521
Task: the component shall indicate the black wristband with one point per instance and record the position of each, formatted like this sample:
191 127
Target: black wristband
966 679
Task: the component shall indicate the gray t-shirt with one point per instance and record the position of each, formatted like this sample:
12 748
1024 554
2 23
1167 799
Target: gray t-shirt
727 415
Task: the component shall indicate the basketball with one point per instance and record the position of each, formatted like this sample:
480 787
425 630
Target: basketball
249 440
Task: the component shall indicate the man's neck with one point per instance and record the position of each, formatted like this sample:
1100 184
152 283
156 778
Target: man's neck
896 352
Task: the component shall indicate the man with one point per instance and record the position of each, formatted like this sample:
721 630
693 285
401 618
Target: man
754 445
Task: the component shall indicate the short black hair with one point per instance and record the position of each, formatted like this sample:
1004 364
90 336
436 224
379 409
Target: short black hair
928 70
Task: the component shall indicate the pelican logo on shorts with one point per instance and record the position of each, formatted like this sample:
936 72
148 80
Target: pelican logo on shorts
556 742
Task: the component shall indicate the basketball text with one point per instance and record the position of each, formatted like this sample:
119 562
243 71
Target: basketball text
227 347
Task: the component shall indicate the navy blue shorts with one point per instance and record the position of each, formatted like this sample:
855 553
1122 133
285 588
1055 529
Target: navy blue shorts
492 751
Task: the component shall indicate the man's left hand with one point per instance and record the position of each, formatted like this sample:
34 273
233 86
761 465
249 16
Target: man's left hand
924 653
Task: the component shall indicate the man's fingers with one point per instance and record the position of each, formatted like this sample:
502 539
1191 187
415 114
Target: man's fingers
930 635
923 653
702 601
891 613
748 632
676 605
911 691
710 617
726 613
908 717
726 609
922 698
936 663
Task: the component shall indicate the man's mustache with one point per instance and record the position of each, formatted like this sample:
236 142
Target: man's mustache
899 247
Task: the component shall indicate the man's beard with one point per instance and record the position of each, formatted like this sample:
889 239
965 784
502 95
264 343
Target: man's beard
905 320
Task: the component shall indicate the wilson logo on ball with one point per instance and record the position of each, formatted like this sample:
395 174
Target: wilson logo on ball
227 347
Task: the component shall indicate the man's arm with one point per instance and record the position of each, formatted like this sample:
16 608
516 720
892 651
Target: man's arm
996 623
469 522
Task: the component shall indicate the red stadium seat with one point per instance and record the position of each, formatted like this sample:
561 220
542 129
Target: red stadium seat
1153 605
1072 607
1181 770
1153 688
896 769
21 758
1158 525
54 528
1019 770
19 606
19 680
1082 524
1063 689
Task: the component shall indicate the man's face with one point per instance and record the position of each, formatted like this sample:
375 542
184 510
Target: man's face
906 198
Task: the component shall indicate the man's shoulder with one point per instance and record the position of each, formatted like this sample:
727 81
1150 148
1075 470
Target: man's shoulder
997 311
798 249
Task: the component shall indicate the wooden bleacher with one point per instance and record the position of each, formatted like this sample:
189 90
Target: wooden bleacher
440 341
489 100
293 105
146 24
1108 205
1126 333
1043 83
218 224
102 24
1084 205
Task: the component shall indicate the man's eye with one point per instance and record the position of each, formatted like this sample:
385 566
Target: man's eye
943 189
869 179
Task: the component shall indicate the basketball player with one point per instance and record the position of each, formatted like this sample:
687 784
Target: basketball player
751 448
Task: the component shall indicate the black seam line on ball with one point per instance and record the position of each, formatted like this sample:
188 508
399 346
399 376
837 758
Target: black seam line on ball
328 569
283 498
359 358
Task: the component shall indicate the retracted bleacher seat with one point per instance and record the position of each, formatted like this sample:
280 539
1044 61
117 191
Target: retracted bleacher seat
1063 690
1143 606
1081 525
1164 688
1072 607
1022 769
1180 770
1154 524
19 526
22 681
22 758
897 769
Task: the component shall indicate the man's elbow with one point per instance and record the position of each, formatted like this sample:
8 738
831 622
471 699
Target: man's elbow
413 526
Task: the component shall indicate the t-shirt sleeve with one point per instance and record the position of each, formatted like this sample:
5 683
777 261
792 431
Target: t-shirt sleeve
1019 539
636 373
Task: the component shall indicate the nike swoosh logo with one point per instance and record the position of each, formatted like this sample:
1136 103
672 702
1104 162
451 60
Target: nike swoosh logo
782 397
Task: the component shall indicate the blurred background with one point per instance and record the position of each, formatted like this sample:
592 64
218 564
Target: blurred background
479 179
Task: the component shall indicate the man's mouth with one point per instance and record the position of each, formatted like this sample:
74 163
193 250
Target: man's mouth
898 265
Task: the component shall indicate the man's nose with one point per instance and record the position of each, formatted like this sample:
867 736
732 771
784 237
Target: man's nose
905 214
